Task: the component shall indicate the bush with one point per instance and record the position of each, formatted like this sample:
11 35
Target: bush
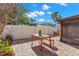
5 49
9 39
1 44
8 51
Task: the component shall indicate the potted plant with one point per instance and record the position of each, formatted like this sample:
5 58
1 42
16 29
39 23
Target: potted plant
40 32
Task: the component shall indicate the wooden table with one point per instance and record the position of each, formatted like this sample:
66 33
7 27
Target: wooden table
41 38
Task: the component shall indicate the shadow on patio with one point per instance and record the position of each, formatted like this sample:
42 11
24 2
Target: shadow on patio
20 41
72 44
45 52
52 48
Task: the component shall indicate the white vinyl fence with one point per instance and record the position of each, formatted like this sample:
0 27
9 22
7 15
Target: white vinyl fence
24 31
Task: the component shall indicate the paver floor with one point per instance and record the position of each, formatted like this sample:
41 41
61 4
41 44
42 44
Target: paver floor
22 47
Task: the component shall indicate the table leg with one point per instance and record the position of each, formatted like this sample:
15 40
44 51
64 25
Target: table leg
32 42
41 44
53 42
50 42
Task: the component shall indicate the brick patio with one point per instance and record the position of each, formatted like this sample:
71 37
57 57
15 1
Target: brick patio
22 47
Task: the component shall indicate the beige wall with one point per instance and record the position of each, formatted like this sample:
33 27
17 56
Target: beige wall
24 31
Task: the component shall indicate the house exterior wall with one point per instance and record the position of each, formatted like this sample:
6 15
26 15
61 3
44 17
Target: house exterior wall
24 31
70 32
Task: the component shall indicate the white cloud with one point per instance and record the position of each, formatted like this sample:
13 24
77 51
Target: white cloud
35 14
45 7
39 13
63 4
31 15
48 20
42 20
49 12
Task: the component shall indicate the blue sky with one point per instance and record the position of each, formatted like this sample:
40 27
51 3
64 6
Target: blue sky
42 11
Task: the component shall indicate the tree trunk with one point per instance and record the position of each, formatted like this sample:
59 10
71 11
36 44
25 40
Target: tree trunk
1 28
7 11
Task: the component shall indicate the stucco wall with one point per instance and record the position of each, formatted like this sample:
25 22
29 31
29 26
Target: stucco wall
24 31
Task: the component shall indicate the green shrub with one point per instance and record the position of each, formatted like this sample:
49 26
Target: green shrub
8 39
8 50
5 48
7 43
1 44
